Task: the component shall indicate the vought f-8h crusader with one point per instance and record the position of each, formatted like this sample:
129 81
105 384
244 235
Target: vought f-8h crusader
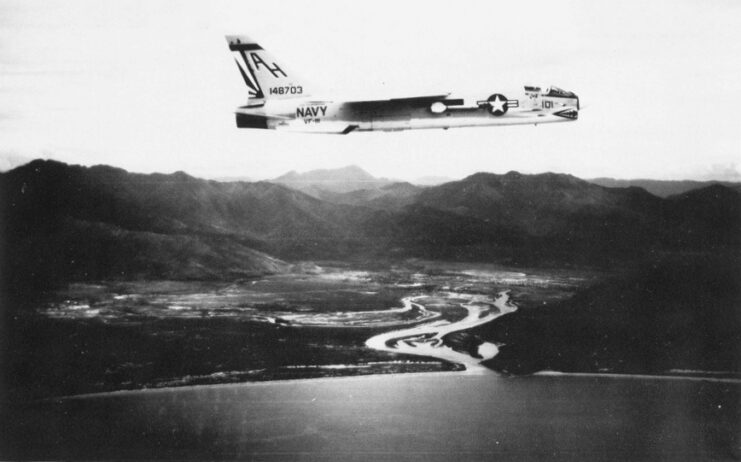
279 99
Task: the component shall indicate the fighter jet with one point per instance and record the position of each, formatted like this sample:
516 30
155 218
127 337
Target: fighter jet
279 99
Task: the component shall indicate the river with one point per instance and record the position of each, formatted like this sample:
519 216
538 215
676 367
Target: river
427 339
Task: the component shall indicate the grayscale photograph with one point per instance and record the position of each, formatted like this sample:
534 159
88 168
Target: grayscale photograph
370 231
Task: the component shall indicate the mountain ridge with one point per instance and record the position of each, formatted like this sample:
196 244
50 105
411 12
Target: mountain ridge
103 222
662 188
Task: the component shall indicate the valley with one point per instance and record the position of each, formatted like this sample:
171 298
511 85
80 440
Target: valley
327 321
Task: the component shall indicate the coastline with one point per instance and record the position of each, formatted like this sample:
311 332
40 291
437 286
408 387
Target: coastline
494 375
549 373
262 383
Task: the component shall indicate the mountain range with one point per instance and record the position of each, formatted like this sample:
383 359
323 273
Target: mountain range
663 188
326 184
63 222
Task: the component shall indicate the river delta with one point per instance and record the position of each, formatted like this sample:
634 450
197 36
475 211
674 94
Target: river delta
317 321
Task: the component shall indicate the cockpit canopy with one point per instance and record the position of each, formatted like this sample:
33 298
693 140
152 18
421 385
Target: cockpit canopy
557 92
550 91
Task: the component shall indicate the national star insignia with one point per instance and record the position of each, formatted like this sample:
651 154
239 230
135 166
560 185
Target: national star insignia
499 104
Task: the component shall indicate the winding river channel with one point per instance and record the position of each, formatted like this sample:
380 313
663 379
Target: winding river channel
427 339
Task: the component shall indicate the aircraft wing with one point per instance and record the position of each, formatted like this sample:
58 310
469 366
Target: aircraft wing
411 99
245 110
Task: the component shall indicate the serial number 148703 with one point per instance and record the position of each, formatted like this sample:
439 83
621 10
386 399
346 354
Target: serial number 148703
289 90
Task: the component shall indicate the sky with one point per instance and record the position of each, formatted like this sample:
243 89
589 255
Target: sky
150 86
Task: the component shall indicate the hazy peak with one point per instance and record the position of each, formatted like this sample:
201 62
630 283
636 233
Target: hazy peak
350 172
432 180
343 179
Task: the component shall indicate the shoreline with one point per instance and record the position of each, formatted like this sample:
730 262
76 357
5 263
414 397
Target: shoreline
396 376
262 383
612 375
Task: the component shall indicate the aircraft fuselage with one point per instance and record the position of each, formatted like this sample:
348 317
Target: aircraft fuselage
279 100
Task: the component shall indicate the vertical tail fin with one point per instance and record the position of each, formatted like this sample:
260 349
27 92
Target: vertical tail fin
264 76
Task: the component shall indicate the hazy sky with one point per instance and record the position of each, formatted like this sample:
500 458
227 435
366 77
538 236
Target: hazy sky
151 85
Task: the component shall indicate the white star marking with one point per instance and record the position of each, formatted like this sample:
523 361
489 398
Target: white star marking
498 104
